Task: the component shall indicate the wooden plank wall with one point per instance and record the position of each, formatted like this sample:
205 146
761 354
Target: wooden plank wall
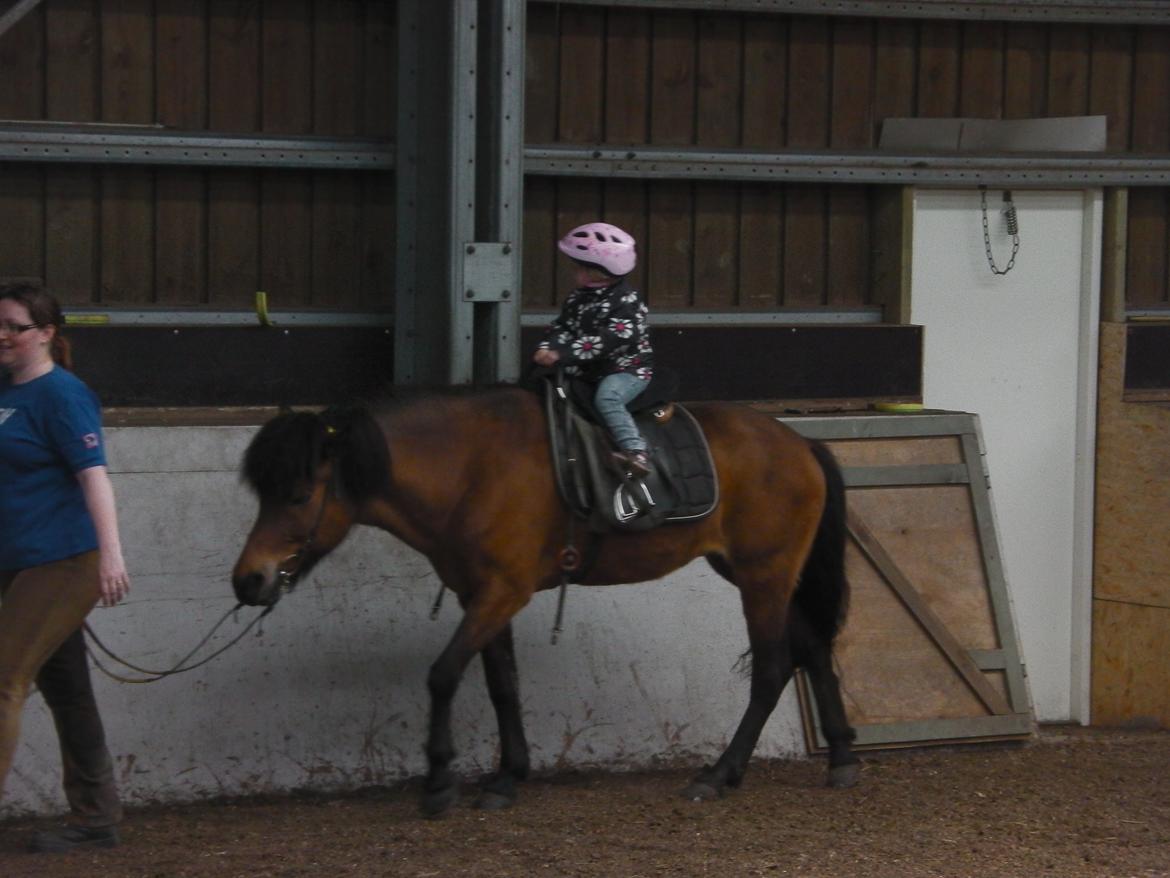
164 237
624 76
124 236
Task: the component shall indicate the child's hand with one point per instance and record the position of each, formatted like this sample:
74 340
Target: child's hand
545 357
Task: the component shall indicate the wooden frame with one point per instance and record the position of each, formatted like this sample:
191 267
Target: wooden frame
927 574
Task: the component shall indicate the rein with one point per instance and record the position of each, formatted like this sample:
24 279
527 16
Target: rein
181 665
286 580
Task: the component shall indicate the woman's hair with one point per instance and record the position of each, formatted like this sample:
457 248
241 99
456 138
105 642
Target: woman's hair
44 311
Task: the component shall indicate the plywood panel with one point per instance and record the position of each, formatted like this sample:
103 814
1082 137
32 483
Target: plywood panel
1131 558
926 451
922 656
891 646
930 534
1131 677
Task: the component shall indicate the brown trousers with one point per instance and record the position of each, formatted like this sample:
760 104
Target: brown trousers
42 610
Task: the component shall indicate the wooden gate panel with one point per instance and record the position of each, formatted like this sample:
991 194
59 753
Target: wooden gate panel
928 652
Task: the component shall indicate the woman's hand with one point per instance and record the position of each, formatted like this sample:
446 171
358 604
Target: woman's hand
115 581
545 357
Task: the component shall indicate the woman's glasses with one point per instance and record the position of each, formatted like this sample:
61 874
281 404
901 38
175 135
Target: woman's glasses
17 328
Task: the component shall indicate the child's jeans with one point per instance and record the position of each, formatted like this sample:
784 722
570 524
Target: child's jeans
613 393
41 613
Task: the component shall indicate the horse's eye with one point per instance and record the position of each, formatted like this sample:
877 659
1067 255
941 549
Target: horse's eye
300 500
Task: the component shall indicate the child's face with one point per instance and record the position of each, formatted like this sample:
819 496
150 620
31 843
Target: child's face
588 276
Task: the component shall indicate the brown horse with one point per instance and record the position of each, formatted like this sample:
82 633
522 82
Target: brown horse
466 479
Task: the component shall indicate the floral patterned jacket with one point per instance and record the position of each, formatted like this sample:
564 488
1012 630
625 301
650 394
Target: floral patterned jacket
602 330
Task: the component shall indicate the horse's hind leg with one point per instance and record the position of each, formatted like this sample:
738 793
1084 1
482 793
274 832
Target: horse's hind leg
499 665
771 670
816 657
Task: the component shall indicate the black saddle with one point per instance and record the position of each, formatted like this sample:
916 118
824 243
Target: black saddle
682 486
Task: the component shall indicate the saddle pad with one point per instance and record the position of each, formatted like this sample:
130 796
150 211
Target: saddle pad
682 457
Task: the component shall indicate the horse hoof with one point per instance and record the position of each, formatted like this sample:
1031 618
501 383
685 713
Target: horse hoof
699 791
841 777
489 801
439 802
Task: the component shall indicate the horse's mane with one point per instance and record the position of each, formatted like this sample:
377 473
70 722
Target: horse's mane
285 454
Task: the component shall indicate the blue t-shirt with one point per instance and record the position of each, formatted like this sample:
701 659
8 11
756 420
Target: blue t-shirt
50 429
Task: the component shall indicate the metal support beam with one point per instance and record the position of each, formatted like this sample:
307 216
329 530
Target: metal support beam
460 190
1086 11
98 143
501 185
1017 170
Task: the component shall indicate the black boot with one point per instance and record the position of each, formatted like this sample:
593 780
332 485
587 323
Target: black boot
74 837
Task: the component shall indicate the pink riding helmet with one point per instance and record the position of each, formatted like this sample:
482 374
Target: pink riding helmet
603 245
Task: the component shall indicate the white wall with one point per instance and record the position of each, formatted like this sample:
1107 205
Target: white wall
1019 350
331 691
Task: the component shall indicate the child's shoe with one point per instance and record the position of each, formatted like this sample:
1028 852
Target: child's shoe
637 463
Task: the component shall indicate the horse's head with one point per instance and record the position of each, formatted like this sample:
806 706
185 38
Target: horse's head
312 474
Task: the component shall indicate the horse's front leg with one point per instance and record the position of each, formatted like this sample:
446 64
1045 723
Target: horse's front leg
499 666
482 622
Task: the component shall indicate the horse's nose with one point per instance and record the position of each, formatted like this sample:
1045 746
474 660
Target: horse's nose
248 587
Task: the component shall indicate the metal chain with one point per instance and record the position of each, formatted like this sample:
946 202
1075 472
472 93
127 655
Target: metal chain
1013 229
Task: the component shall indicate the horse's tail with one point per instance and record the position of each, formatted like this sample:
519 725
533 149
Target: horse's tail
823 594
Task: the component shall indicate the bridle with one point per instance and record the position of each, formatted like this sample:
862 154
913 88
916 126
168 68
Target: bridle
290 567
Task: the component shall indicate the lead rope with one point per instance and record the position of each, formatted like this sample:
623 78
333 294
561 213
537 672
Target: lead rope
181 665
